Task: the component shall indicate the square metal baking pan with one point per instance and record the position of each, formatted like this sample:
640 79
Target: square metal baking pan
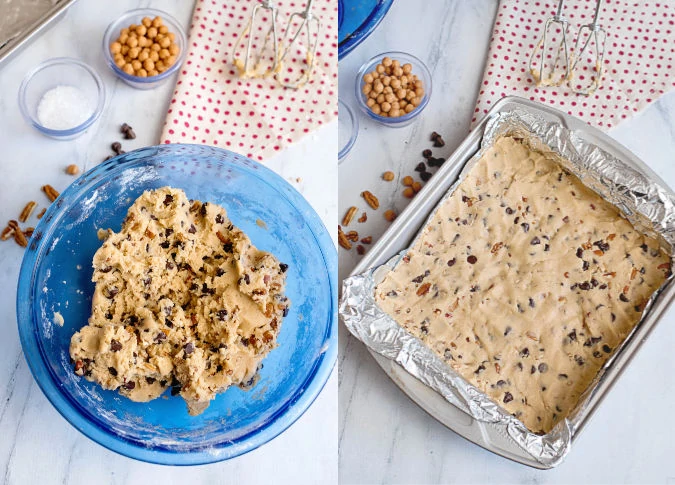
37 17
400 235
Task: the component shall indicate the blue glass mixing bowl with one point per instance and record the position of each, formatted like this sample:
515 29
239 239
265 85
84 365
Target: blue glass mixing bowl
56 277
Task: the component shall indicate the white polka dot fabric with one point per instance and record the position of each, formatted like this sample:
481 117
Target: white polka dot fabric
639 61
254 117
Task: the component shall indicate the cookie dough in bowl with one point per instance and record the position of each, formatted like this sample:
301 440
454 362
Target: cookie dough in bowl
182 300
56 276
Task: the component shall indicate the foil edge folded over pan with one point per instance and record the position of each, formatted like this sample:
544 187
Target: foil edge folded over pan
645 203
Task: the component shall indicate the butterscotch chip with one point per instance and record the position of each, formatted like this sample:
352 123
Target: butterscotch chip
27 211
372 201
416 186
72 169
408 192
407 181
388 176
390 215
349 215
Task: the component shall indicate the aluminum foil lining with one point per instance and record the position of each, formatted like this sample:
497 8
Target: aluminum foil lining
649 207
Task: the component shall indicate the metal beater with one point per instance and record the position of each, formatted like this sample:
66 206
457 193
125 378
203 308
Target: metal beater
250 65
306 19
593 31
558 20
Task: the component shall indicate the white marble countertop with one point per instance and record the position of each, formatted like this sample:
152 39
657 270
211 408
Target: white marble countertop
383 436
38 446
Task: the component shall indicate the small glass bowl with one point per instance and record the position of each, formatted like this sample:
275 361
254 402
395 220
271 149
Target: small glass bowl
135 17
348 130
418 68
61 71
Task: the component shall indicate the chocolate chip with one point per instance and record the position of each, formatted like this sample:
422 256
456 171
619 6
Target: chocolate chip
419 278
573 335
507 330
535 241
192 229
580 253
435 162
421 167
221 314
508 397
479 369
500 383
603 286
165 244
531 302
425 176
189 348
112 292
160 337
124 128
150 380
525 226
283 267
175 387
106 269
579 360
220 272
546 247
543 367
285 312
116 147
533 369
562 376
644 247
597 354
168 323
130 134
606 349
509 211
602 246
115 345
112 371
426 153
168 199
227 247
585 286
613 317
451 262
130 385
623 298
525 352
472 259
439 142
594 282
515 221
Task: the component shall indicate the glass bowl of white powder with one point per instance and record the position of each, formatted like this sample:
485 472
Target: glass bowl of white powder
62 97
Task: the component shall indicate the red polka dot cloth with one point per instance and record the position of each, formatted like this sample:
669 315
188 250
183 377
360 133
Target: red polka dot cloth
256 118
639 61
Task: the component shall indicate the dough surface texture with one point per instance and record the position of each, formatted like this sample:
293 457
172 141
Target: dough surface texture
183 300
525 282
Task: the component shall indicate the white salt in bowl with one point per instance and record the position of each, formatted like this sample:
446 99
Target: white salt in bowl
62 97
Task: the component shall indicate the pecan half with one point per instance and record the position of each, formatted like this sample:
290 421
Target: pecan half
372 201
50 192
349 215
27 211
342 239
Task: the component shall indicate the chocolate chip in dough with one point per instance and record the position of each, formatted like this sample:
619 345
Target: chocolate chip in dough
130 385
472 259
189 348
115 345
508 397
113 371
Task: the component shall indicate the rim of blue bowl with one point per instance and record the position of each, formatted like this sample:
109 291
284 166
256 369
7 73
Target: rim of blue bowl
401 120
272 427
144 12
70 131
351 42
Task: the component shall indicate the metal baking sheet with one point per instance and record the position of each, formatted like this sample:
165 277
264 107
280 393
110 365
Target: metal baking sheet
491 436
21 21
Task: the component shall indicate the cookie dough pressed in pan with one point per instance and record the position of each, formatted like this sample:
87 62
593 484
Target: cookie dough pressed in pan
182 300
525 282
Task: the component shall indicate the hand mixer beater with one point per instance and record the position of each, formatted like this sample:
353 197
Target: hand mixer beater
589 35
262 15
310 25
555 26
